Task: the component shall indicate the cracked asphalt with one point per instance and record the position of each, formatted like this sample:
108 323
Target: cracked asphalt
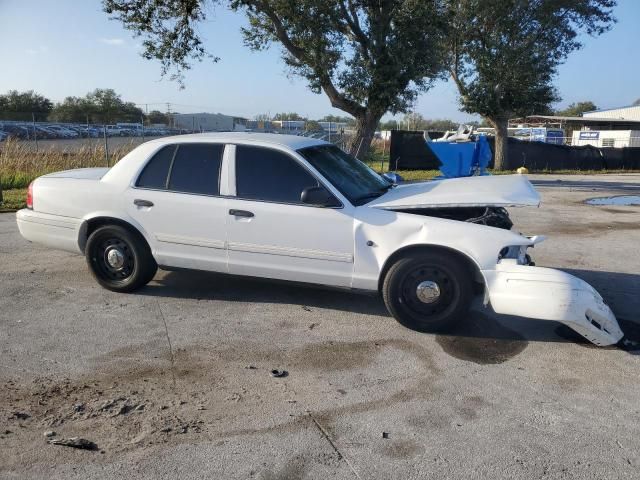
174 381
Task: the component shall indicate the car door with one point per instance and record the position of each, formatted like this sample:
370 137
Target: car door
177 200
272 234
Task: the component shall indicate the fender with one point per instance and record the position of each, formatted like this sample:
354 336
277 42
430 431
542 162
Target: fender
109 214
390 232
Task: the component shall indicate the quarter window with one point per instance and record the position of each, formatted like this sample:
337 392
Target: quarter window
270 175
156 171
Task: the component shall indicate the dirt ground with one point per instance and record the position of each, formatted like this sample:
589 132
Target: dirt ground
175 381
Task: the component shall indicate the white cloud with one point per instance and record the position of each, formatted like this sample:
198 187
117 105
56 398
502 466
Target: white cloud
112 41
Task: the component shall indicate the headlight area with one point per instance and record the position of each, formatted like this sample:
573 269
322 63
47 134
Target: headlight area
517 254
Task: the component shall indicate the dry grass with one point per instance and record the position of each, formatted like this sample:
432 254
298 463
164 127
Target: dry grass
20 164
13 200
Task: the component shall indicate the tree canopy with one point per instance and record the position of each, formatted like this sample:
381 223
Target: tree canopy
577 109
504 54
99 106
369 57
16 105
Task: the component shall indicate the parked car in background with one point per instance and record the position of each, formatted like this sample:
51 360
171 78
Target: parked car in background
63 132
300 209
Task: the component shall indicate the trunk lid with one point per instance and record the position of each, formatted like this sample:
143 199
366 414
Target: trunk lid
488 191
83 173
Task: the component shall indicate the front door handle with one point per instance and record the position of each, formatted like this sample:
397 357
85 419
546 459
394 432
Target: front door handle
240 213
142 203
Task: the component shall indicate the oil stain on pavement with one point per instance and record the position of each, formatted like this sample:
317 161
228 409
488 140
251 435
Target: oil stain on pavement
481 339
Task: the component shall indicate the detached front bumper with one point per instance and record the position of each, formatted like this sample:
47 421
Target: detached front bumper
549 294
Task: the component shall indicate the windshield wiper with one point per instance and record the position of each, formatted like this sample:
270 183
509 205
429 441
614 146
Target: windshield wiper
375 194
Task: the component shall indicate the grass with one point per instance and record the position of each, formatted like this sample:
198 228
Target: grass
20 164
13 200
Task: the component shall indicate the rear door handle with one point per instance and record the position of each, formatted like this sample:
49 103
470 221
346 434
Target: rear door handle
142 203
240 213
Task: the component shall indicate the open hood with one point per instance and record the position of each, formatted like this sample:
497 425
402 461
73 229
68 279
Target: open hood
488 191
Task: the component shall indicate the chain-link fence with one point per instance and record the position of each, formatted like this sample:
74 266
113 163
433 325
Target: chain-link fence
29 148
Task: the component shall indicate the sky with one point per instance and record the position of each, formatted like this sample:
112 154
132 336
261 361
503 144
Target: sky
70 47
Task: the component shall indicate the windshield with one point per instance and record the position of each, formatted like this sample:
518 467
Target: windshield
356 181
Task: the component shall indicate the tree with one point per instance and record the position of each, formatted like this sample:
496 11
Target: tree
262 117
577 109
504 54
101 105
338 119
156 117
16 105
369 57
312 126
287 116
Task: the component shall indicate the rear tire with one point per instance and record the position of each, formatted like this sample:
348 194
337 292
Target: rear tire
429 291
119 259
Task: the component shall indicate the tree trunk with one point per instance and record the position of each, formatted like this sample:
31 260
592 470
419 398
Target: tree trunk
501 154
366 125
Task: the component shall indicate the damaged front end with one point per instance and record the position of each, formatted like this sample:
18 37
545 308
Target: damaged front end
549 294
517 287
489 216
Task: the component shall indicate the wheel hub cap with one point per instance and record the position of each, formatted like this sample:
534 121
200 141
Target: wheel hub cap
115 258
428 291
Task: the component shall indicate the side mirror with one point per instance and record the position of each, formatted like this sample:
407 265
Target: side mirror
318 196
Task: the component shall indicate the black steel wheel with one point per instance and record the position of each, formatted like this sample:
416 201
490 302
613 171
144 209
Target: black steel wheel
119 259
428 291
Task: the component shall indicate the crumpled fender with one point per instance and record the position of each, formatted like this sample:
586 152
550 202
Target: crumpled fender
548 294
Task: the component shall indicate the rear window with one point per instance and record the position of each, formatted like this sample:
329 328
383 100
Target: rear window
196 169
156 171
185 168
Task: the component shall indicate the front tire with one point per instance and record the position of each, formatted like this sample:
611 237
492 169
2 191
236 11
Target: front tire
119 259
429 291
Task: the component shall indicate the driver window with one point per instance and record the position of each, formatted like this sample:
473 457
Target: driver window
270 175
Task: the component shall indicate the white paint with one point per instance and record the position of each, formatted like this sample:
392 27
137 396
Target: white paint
347 247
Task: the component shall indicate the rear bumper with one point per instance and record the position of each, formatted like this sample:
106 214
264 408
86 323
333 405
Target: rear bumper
51 230
549 294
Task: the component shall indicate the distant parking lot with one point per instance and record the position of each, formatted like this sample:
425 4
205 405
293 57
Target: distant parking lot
174 381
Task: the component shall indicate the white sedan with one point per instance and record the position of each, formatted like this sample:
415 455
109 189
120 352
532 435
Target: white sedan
300 209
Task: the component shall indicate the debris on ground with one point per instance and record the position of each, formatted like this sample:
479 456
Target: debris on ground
385 435
313 325
279 373
307 309
49 434
20 415
75 442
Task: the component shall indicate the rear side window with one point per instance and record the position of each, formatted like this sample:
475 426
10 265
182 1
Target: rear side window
196 168
156 171
185 168
270 175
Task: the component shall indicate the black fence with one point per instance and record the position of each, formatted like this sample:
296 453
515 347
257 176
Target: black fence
545 156
409 151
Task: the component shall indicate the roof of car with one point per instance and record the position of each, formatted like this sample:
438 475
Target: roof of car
292 141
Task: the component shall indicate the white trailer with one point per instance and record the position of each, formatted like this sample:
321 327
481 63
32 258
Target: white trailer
607 138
